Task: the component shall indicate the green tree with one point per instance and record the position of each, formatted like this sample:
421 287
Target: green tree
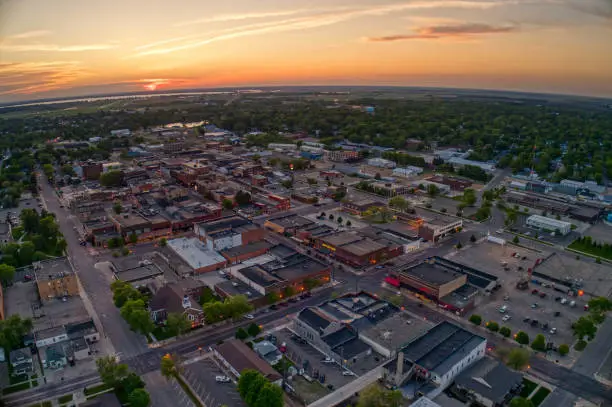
117 207
458 245
241 334
123 292
376 396
584 326
26 253
515 240
580 345
227 204
7 273
521 402
163 242
432 190
253 329
563 349
137 317
492 326
139 398
68 170
522 338
242 198
399 203
539 343
168 366
472 238
30 220
475 319
12 331
132 382
339 220
505 331
518 358
111 372
133 238
177 324
256 386
246 380
600 305
349 223
270 395
111 179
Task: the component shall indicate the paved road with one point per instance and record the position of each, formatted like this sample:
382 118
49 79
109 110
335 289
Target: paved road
596 352
125 342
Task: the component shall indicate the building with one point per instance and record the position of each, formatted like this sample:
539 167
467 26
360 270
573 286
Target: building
459 162
268 352
287 224
234 287
236 357
409 171
121 133
238 254
390 189
354 249
488 383
54 356
455 184
282 147
103 400
55 279
430 363
229 232
434 226
5 233
50 336
271 203
138 274
548 224
173 299
381 163
537 201
91 170
86 209
196 255
358 207
145 224
342 155
432 280
2 316
21 361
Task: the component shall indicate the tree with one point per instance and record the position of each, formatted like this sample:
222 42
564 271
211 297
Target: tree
29 220
505 331
600 305
247 377
584 326
432 190
168 366
133 238
242 198
475 319
270 395
12 331
522 338
339 220
521 402
472 238
492 326
139 398
580 345
7 273
123 292
563 349
331 216
117 208
376 396
163 242
399 202
227 204
458 245
253 329
349 223
515 240
111 372
132 382
539 343
136 315
111 179
177 324
241 334
518 358
256 386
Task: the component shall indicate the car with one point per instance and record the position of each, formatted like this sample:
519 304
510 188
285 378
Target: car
544 326
380 267
292 300
28 277
557 314
572 303
506 297
534 305
563 301
506 318
503 309
557 299
347 373
534 322
553 331
534 291
330 386
526 319
222 379
83 243
249 316
328 360
542 295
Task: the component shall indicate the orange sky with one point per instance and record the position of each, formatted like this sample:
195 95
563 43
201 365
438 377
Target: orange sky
76 47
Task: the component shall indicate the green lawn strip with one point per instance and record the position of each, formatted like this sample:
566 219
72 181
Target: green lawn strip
35 405
15 388
47 404
18 379
65 399
187 390
528 388
539 396
96 389
579 248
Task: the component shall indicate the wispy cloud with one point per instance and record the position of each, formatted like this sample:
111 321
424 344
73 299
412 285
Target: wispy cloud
28 35
238 17
311 21
33 77
447 31
55 47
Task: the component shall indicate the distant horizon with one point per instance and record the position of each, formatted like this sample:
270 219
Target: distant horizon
85 98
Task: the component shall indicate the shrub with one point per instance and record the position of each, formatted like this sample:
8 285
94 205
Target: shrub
539 343
476 319
522 338
505 331
580 345
492 326
563 349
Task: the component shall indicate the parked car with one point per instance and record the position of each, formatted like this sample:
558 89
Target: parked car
534 291
534 322
506 318
534 305
526 319
222 379
557 299
572 303
542 295
553 331
249 316
328 360
347 373
563 301
28 277
557 314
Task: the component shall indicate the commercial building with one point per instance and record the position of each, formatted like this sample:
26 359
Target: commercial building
381 163
229 232
238 254
537 201
196 255
287 224
455 184
409 171
342 155
358 207
55 279
174 299
548 224
390 189
145 224
459 162
354 249
434 226
91 170
236 357
431 279
430 363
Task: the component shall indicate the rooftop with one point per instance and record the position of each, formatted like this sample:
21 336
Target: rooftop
396 331
194 252
259 276
52 269
237 287
432 273
490 379
314 318
138 273
248 248
292 220
225 223
241 357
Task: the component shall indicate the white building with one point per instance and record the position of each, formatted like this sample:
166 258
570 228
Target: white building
381 163
462 162
121 133
282 147
548 224
409 171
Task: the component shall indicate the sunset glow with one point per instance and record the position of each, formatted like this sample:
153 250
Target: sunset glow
559 46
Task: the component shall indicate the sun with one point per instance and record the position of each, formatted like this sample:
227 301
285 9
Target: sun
151 86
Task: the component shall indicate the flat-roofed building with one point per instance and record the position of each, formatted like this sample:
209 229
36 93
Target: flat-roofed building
228 232
434 226
196 255
432 280
146 224
354 249
358 207
55 278
548 224
287 223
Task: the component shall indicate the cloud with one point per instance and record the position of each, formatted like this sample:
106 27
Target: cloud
28 34
33 77
597 8
448 31
55 48
317 20
238 17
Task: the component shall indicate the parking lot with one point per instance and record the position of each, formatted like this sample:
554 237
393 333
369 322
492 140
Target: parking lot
540 302
201 377
165 392
600 232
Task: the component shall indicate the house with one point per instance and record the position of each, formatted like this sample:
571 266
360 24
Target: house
236 356
54 357
268 352
5 233
173 299
21 361
488 383
80 348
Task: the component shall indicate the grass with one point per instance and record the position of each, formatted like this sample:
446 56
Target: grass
590 250
528 388
160 333
65 399
188 391
580 345
18 378
539 396
47 404
16 388
96 389
257 340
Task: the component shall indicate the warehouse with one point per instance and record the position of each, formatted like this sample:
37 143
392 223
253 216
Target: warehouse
548 224
354 249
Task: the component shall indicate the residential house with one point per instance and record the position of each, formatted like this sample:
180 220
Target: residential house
174 299
21 361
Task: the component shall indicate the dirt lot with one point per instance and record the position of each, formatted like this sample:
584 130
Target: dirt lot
489 258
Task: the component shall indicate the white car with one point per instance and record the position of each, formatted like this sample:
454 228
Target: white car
553 331
328 360
506 318
347 373
222 379
249 316
564 301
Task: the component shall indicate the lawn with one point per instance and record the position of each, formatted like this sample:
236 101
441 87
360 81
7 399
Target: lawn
309 391
604 251
65 399
16 388
528 388
539 396
160 333
96 389
18 378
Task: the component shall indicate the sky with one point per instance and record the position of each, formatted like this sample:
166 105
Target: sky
66 48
